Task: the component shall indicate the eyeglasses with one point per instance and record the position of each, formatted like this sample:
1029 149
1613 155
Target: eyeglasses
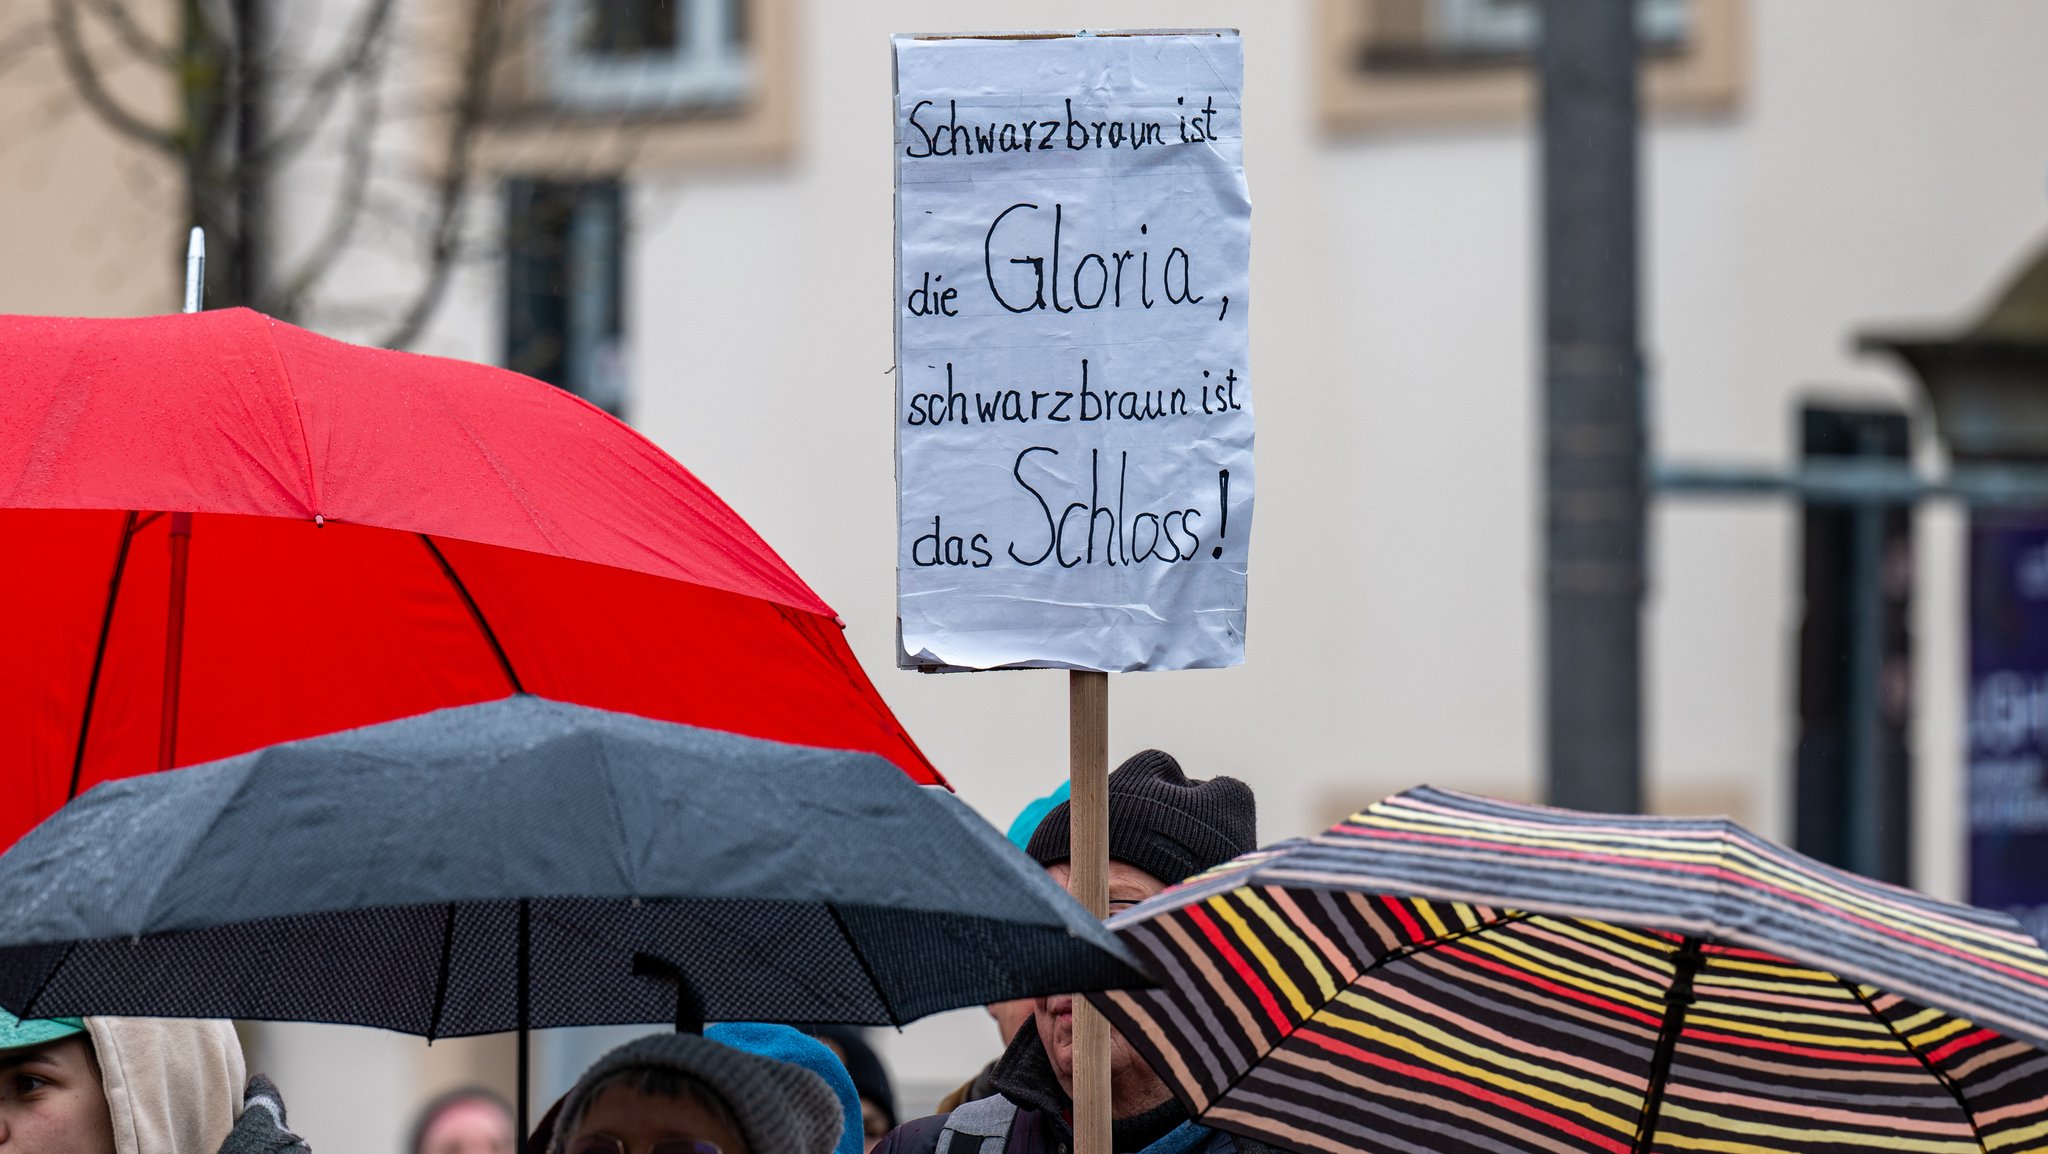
606 1144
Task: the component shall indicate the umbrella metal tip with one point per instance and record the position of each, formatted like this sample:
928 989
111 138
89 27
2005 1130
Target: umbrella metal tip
195 271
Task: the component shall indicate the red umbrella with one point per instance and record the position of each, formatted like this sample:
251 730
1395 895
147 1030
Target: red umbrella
222 532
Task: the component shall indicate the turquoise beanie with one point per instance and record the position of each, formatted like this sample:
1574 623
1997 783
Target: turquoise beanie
787 1044
1027 821
16 1034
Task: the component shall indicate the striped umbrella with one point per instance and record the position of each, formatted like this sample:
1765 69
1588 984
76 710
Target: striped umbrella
1448 972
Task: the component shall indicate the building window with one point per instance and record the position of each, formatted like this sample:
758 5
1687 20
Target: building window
598 88
646 55
565 286
1394 64
1460 33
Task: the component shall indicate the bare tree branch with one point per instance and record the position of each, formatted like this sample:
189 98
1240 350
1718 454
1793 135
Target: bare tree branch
485 24
86 78
209 19
131 35
51 113
357 166
21 44
348 63
221 147
206 76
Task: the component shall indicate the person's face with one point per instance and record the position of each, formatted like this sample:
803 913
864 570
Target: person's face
1010 1016
641 1122
474 1126
874 1123
51 1101
1128 885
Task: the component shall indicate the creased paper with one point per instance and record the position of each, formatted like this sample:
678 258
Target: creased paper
1073 394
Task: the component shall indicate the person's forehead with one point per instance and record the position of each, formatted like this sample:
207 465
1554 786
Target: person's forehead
63 1051
623 1112
1120 872
614 1104
470 1110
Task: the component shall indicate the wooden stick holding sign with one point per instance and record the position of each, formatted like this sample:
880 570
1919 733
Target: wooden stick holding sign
1088 768
1073 394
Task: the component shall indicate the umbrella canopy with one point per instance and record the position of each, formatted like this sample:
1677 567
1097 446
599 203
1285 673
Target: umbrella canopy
1448 972
372 534
526 863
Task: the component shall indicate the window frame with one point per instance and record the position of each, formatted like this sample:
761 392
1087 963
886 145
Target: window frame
1702 78
527 133
709 67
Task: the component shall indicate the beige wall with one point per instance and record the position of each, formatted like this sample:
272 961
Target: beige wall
88 223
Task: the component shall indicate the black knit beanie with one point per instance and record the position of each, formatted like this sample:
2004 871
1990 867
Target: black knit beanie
1161 822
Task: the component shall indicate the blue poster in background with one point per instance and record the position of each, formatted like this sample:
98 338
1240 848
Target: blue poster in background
2008 715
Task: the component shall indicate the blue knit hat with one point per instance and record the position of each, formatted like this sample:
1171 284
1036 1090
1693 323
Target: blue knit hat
16 1034
787 1044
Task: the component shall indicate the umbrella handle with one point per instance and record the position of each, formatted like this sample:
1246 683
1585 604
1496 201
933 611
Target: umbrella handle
689 1006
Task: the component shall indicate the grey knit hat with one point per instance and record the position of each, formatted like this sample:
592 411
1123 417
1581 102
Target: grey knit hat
1161 822
780 1107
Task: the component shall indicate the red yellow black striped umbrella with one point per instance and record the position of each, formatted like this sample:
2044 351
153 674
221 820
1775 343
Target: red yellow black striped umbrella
1446 972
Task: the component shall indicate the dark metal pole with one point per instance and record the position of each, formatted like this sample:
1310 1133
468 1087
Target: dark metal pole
1878 763
1869 835
1593 445
251 176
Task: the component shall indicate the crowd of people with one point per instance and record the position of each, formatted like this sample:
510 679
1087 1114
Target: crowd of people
169 1086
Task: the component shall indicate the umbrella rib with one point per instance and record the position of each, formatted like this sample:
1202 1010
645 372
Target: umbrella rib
846 932
99 652
1393 955
1686 965
1414 948
441 986
1947 1083
805 624
475 614
28 1009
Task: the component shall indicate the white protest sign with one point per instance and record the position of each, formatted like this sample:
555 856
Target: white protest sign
1073 400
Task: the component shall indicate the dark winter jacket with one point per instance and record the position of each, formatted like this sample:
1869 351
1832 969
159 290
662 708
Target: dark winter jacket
973 1090
1024 1075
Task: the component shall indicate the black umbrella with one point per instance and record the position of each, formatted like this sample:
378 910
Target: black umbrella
526 864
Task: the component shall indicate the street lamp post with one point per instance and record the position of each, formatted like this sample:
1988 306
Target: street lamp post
1593 444
1988 388
1987 384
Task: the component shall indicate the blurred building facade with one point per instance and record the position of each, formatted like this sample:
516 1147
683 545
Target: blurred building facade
692 204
